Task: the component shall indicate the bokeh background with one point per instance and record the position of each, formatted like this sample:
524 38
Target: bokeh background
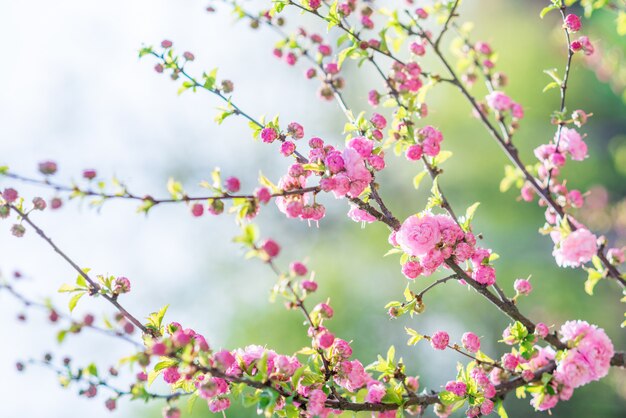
73 90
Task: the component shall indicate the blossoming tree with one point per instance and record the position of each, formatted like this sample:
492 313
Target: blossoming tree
325 379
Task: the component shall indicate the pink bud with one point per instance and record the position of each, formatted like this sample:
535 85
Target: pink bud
309 285
263 194
522 287
89 174
271 248
232 184
440 340
572 23
298 268
197 209
48 167
9 195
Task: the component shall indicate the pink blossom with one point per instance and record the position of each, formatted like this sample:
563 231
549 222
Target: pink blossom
9 195
499 101
359 215
325 339
510 361
440 340
572 23
376 161
317 399
412 269
89 174
325 50
463 252
547 402
432 260
295 130
197 209
471 342
373 98
375 392
352 375
576 249
431 147
362 145
576 198
224 359
171 375
616 255
271 248
291 58
263 194
298 268
517 111
342 349
421 13
378 121
485 275
414 152
219 404
418 235
589 360
582 44
287 148
522 286
48 167
573 143
457 387
232 184
486 407
580 117
309 285
483 48
417 49
268 135
542 330
334 162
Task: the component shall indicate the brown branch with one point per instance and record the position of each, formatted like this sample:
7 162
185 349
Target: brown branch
95 287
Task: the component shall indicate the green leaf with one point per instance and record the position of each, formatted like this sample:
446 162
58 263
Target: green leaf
4 169
550 86
500 409
442 157
418 179
621 24
547 10
415 336
448 398
92 370
68 288
74 300
155 319
175 188
592 279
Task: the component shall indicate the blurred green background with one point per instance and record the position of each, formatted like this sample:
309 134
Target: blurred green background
347 259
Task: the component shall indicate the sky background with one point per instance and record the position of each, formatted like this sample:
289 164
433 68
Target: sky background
73 90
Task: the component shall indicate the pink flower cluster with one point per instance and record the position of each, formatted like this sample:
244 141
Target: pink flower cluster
589 359
428 142
433 239
348 172
298 205
501 103
575 249
406 77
